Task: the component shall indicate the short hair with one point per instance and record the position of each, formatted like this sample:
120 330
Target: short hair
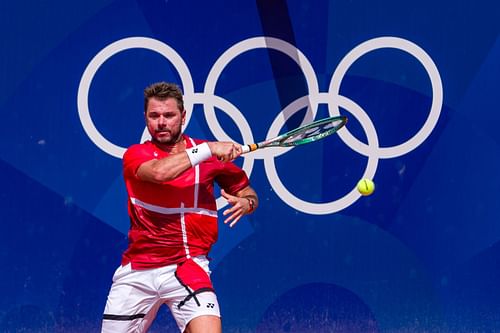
162 91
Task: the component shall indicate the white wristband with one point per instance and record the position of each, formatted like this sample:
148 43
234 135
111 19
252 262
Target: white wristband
199 153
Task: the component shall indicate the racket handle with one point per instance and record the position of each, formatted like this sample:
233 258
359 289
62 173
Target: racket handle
248 148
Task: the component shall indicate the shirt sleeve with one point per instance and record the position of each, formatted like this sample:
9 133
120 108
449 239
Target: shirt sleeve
133 158
231 178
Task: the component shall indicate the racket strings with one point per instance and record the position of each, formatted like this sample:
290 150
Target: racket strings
312 133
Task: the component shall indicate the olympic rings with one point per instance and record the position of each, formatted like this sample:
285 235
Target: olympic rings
209 100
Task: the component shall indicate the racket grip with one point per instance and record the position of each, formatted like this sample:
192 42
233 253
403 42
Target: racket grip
248 148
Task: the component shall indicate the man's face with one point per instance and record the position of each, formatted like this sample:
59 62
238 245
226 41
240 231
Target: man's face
164 120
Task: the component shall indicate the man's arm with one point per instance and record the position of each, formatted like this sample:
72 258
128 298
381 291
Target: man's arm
165 169
170 167
243 202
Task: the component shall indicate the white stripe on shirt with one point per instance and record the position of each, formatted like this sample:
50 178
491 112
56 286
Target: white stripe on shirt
184 233
196 178
167 211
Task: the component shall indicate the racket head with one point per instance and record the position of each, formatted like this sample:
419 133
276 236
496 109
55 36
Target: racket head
314 131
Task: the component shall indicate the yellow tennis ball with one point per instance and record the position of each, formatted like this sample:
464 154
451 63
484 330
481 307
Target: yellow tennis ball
366 186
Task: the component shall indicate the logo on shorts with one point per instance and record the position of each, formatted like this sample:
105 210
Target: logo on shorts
210 305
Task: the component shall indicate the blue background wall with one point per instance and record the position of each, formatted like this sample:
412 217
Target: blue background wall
419 255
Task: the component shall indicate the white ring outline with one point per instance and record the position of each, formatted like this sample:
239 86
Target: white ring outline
248 45
437 95
353 195
100 58
233 112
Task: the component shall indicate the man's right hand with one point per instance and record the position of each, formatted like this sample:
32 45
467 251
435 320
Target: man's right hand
225 151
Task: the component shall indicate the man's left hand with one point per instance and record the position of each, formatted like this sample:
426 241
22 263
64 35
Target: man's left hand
240 207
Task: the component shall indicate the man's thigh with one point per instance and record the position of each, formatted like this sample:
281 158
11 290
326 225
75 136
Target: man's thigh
132 301
205 305
187 304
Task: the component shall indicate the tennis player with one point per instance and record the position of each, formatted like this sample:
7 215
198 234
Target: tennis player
173 216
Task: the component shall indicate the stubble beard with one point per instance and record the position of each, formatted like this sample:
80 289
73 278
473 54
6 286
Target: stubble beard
171 140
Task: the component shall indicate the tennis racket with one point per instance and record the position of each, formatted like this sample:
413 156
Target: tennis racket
305 134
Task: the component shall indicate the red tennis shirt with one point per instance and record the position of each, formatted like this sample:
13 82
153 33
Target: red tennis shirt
174 220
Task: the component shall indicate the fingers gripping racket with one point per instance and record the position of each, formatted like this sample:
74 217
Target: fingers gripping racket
305 134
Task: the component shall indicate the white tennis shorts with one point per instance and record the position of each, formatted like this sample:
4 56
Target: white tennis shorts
136 296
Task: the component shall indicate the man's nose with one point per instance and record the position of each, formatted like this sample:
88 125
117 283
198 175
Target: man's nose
162 121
